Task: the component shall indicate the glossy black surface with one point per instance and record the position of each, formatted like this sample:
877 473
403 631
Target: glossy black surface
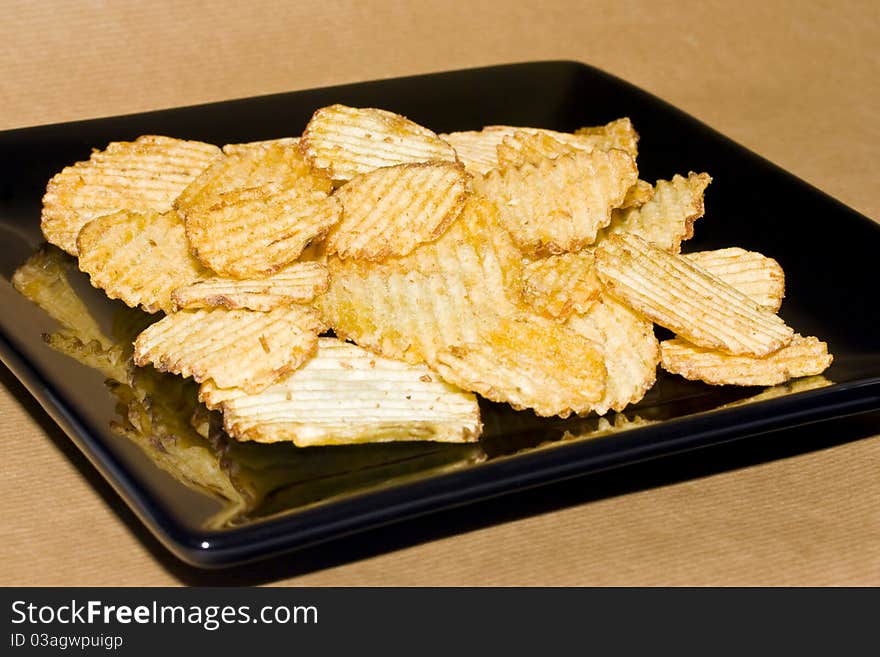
826 249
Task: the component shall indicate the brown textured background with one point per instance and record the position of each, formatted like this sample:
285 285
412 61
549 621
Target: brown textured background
798 82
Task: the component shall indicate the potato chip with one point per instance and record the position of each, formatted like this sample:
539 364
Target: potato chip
276 162
678 295
476 149
630 349
668 217
637 195
533 146
619 133
528 362
244 147
758 277
561 204
560 285
235 348
297 283
390 211
802 357
450 303
347 141
140 176
139 258
253 233
345 395
408 308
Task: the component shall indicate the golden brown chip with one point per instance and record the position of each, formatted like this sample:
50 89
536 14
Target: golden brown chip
390 211
528 362
244 147
139 258
561 204
347 395
676 294
802 357
409 308
758 277
347 141
476 149
450 303
560 285
631 352
533 146
637 195
619 133
298 283
253 233
245 166
235 348
140 176
668 217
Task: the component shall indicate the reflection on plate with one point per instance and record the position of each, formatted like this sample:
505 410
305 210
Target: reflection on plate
161 414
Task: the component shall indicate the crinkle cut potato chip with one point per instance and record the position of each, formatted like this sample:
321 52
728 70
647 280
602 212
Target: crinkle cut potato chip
140 176
630 349
528 362
245 166
459 296
667 219
560 205
390 211
300 282
560 285
476 149
139 258
347 141
637 195
755 275
619 133
253 233
801 357
235 348
676 294
244 147
442 293
345 395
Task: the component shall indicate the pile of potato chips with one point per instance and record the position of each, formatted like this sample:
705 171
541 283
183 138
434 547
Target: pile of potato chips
524 265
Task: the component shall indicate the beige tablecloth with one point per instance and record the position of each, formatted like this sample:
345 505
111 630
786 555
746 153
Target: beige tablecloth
795 81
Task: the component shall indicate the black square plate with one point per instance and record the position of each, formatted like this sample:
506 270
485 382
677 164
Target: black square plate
286 498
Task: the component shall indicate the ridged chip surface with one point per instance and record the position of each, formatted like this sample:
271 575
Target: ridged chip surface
390 211
758 277
139 258
256 232
667 219
244 147
140 176
345 395
297 283
629 347
278 163
347 141
476 149
235 348
802 357
619 133
452 304
560 285
676 294
560 204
